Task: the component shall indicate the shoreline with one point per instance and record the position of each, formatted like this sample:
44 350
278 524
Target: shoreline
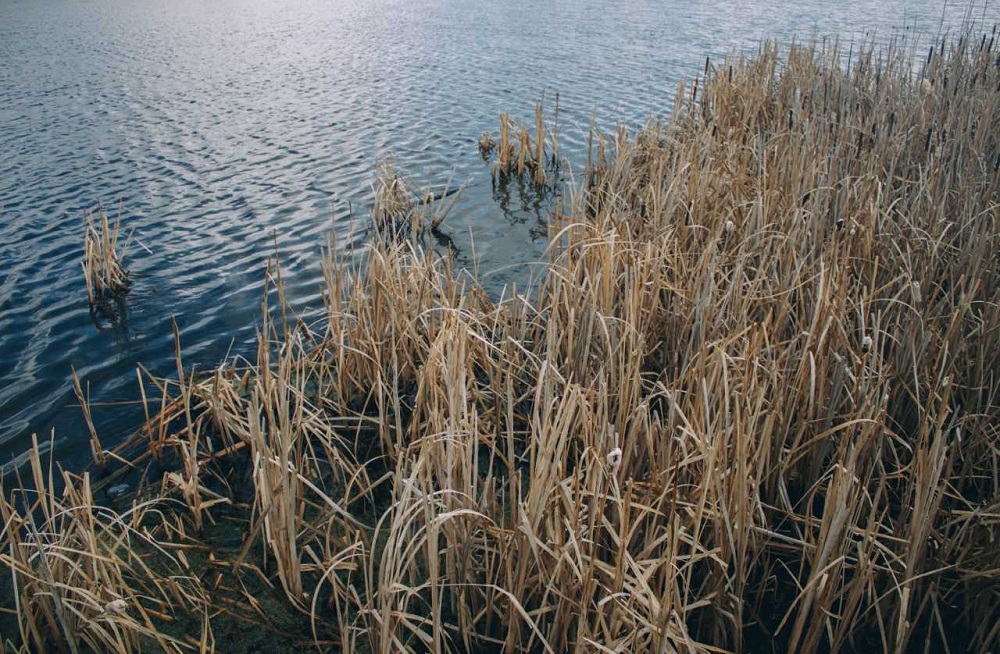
752 403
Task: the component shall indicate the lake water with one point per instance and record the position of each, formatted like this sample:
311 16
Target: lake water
212 124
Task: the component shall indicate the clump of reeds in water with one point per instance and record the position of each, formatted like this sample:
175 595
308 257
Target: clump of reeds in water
486 145
103 253
399 211
520 154
753 405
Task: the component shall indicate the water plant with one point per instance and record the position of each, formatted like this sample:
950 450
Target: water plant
517 153
400 212
103 253
486 145
753 403
88 578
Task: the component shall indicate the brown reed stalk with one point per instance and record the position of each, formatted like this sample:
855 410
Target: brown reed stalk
96 450
486 144
395 210
522 154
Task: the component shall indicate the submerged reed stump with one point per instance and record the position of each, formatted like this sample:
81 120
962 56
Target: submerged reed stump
753 406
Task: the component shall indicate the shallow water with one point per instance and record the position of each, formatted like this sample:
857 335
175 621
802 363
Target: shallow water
215 125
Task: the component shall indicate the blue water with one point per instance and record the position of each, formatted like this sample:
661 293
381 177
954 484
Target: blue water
213 124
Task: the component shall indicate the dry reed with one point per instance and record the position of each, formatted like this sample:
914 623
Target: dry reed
399 212
517 153
87 578
102 257
753 405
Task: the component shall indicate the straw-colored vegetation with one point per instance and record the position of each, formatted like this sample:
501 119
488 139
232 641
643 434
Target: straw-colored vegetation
102 257
399 212
486 145
753 405
86 578
517 153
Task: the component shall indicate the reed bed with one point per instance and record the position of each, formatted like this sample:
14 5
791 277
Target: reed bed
87 578
752 406
103 254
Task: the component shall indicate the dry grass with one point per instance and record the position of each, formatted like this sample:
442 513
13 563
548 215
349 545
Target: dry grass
102 258
86 578
753 405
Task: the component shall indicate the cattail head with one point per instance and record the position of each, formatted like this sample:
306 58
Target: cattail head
729 227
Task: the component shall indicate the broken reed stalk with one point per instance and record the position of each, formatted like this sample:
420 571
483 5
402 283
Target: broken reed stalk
753 405
96 450
102 257
505 148
486 144
395 208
